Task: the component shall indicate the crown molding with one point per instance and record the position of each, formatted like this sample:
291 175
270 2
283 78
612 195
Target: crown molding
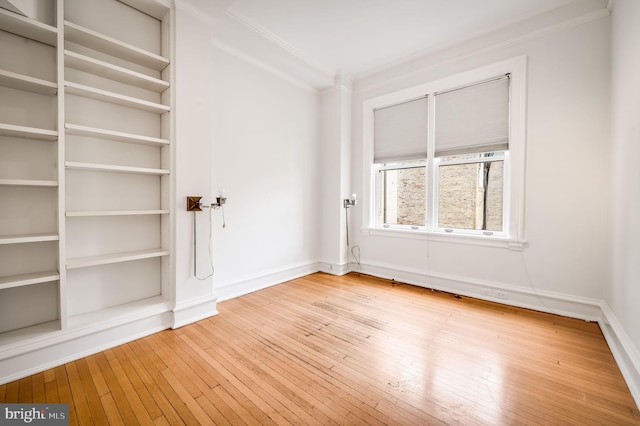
268 35
464 49
249 41
263 66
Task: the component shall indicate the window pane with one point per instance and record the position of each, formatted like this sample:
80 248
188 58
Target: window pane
402 196
470 196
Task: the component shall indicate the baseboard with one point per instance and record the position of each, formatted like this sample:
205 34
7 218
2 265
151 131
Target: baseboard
623 350
334 268
249 284
194 310
529 298
67 346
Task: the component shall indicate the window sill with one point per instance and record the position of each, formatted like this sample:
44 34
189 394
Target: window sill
474 240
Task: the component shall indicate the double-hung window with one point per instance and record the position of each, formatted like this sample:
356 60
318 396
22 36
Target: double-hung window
443 161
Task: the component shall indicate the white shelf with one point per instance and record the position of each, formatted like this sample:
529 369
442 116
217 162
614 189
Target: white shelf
99 213
113 72
116 98
84 262
154 8
96 41
27 132
28 279
24 336
30 84
93 132
32 238
29 28
123 313
74 165
27 182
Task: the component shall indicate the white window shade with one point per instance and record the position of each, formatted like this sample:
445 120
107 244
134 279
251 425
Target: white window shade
473 119
401 132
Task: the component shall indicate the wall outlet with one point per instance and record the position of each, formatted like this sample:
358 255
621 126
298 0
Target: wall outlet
502 294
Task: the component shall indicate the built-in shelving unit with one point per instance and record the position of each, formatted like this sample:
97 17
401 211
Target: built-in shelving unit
88 122
28 236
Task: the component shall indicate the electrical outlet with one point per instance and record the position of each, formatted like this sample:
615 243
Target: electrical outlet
193 204
502 294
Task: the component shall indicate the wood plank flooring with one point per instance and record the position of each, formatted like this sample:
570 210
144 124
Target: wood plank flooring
348 350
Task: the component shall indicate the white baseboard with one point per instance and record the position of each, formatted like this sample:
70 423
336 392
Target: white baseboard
67 346
194 310
523 297
249 284
333 268
623 350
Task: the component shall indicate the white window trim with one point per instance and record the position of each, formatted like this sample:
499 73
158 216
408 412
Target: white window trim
513 237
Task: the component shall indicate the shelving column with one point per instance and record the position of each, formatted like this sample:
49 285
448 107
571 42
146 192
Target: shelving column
118 162
29 141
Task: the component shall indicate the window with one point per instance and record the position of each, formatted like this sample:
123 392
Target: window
448 157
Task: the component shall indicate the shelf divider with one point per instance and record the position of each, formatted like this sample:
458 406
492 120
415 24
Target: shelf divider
116 98
121 313
113 72
30 84
100 213
94 40
27 27
94 132
84 262
28 182
7 129
28 279
27 238
75 165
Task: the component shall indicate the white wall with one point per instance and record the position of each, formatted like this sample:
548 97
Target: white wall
567 172
624 292
192 154
334 162
265 148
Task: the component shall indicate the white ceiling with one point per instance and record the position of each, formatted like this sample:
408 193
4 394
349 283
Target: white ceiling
357 37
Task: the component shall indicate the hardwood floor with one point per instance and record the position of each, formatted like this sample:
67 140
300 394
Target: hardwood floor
348 350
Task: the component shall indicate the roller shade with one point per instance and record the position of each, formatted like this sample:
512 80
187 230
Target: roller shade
400 131
473 118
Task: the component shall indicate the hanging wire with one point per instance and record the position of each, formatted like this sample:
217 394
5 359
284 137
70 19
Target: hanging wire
195 250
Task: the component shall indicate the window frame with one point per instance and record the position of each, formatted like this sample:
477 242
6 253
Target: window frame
500 156
514 185
409 164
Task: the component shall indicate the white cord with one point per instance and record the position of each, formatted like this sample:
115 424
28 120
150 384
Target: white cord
195 253
350 249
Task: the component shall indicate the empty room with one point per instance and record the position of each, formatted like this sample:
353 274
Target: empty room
406 212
